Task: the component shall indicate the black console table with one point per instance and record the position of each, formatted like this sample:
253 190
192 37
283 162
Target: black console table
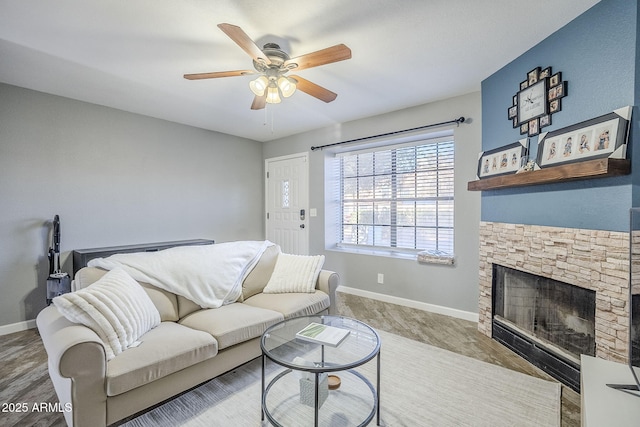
82 256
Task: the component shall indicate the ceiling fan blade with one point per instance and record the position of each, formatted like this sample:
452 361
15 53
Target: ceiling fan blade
244 41
314 90
259 102
218 74
331 54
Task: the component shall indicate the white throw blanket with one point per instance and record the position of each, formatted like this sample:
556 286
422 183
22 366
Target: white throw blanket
209 275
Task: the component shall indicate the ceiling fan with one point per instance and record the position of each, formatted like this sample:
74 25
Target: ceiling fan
272 64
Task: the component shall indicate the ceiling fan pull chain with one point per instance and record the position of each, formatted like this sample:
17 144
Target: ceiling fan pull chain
272 120
266 117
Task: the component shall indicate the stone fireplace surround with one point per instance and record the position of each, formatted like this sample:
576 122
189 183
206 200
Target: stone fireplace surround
591 259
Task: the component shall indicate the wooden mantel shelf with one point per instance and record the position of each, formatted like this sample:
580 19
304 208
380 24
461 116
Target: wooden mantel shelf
598 168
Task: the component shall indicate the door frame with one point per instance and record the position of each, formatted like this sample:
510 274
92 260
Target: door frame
304 154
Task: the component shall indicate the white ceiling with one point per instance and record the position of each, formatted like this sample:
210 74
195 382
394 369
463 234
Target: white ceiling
131 55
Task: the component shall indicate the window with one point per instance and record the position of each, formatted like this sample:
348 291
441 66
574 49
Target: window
398 198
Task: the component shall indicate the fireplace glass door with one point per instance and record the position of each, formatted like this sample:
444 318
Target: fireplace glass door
557 315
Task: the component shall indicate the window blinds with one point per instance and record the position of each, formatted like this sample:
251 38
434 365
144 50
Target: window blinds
399 196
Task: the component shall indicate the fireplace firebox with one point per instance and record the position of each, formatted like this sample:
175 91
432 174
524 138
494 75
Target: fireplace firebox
548 322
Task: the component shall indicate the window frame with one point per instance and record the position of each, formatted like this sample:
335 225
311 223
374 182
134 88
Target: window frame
392 248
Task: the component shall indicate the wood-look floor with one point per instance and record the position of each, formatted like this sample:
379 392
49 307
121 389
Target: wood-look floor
24 378
457 335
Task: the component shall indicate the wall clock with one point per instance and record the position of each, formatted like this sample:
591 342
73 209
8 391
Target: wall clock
532 102
538 98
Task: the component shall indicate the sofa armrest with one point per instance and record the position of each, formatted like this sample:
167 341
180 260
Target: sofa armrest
328 283
77 367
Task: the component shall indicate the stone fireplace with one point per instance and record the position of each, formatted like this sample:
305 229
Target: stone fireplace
594 260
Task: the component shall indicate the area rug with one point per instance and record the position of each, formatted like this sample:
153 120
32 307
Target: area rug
421 385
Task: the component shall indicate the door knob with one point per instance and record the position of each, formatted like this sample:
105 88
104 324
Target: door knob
301 225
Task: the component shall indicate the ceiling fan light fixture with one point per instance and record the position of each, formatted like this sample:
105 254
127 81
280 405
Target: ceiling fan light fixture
259 85
271 63
287 86
273 95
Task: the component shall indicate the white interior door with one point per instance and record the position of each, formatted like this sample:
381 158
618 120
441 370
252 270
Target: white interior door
287 202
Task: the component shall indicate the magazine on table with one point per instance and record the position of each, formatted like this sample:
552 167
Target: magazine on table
323 334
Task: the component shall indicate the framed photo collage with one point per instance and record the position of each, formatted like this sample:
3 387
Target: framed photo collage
539 97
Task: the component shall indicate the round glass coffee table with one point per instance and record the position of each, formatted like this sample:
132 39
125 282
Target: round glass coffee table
301 394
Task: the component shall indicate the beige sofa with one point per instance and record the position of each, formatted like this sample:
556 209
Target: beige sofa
190 346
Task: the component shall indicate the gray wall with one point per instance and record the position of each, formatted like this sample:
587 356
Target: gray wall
114 178
455 286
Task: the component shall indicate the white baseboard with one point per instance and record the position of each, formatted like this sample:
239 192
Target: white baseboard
465 315
17 327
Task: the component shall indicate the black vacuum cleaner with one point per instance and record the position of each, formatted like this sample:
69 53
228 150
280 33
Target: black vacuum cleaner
58 282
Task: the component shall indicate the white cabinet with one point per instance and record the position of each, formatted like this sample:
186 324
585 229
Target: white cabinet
602 405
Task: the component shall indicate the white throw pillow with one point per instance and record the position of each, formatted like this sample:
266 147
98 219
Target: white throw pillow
116 307
294 273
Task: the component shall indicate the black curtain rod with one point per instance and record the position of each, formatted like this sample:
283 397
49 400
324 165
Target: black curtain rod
457 121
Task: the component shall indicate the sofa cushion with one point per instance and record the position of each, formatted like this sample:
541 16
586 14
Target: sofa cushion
164 350
116 307
294 273
257 279
293 304
186 306
165 301
233 323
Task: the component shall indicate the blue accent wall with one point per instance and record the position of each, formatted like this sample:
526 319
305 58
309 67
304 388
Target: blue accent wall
635 126
597 54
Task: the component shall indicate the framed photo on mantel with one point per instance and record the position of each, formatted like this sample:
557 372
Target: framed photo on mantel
604 136
502 160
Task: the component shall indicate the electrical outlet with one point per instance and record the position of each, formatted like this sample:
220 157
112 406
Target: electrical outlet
381 278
